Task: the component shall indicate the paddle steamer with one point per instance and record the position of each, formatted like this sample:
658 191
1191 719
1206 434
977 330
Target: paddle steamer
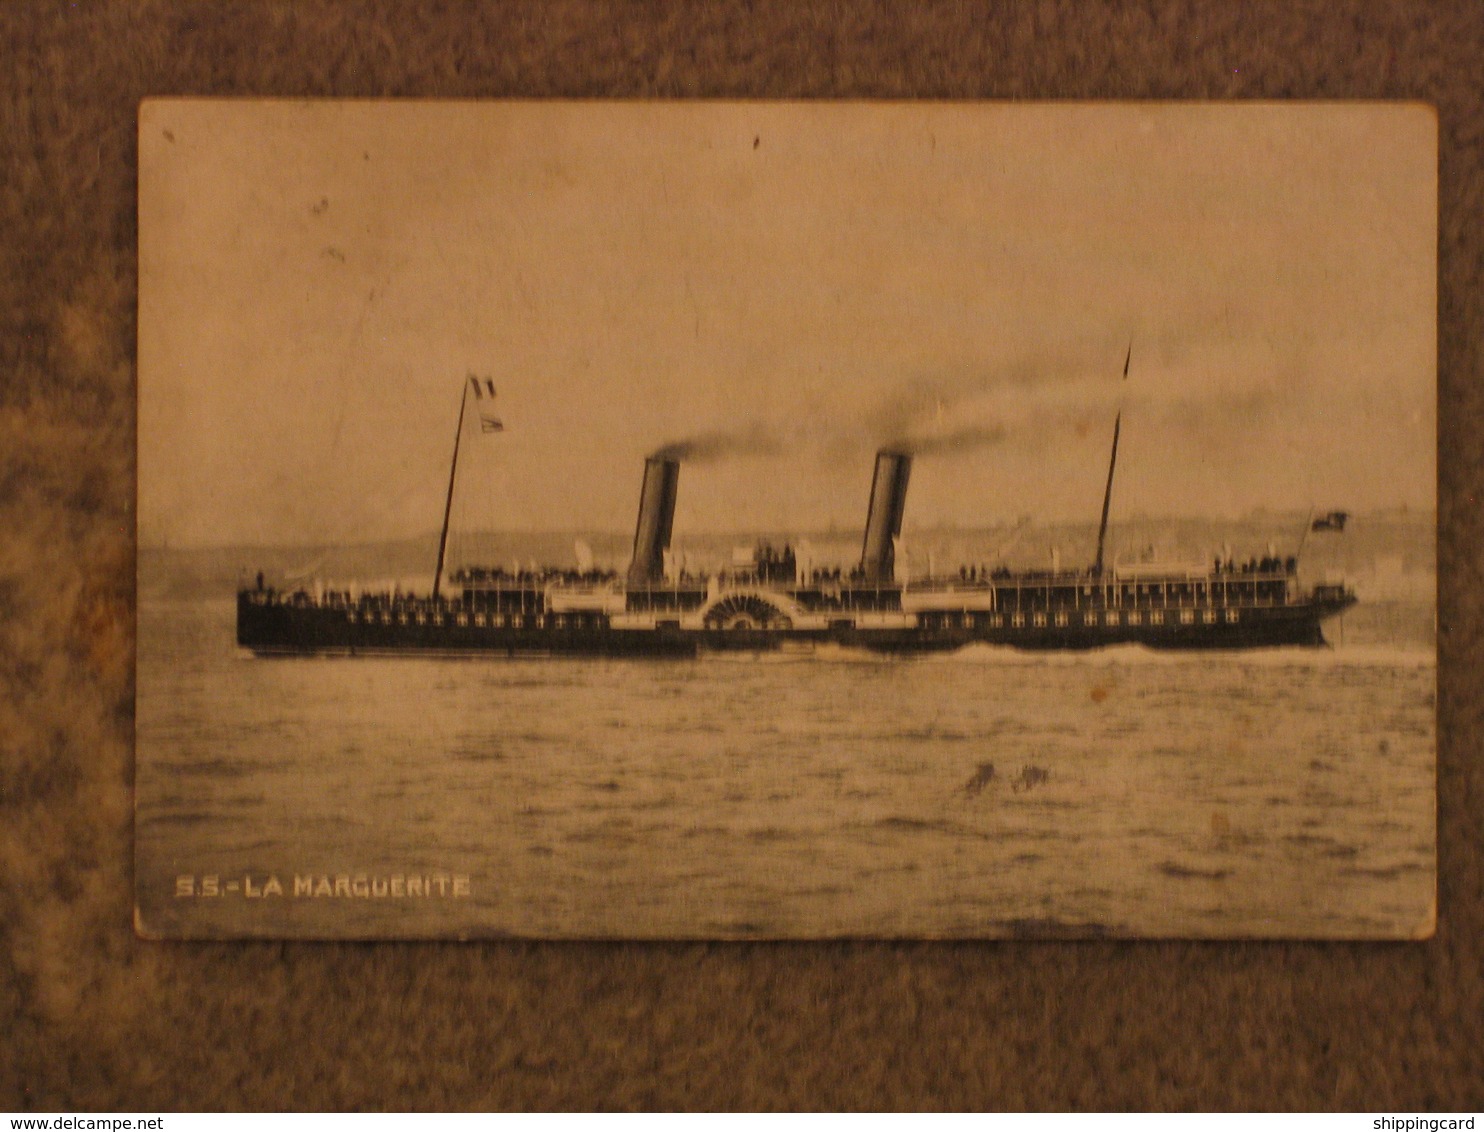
778 600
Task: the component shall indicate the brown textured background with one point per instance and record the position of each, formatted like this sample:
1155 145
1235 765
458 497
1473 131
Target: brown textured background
91 1018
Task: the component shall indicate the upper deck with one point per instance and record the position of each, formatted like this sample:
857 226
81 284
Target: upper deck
828 595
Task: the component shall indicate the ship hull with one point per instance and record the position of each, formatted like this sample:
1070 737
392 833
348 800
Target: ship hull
284 629
288 630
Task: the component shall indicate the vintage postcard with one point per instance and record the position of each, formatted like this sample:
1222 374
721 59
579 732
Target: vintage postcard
786 520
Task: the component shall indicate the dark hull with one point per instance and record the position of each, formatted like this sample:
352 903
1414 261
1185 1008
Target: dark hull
295 630
287 630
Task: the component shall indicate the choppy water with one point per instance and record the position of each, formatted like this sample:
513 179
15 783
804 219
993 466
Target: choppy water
988 793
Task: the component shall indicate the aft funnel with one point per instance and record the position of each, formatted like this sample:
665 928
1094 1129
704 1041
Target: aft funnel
656 516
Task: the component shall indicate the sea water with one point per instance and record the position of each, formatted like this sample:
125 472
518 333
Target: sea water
1124 792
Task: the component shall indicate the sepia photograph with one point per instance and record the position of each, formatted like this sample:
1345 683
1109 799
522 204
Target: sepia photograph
786 520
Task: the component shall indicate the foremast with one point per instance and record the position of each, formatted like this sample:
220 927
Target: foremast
1097 568
453 472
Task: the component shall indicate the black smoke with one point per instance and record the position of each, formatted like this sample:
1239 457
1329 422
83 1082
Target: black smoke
722 444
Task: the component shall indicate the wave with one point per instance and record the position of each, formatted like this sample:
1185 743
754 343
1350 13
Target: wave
1361 656
826 652
1339 656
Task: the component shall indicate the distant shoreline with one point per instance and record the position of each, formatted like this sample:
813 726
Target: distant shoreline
1284 520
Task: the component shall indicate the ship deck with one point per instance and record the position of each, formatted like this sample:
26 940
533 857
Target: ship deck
1052 611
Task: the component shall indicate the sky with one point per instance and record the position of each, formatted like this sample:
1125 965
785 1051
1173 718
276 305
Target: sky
778 289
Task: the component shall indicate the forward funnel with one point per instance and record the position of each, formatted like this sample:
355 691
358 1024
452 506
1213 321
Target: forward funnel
884 519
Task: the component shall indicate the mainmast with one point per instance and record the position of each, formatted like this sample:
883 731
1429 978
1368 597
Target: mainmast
453 471
1097 568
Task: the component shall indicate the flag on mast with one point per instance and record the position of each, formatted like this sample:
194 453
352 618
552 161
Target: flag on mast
485 387
1334 521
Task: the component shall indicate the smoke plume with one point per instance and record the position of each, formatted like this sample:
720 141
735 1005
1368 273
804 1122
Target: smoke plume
1027 403
936 419
722 444
950 441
